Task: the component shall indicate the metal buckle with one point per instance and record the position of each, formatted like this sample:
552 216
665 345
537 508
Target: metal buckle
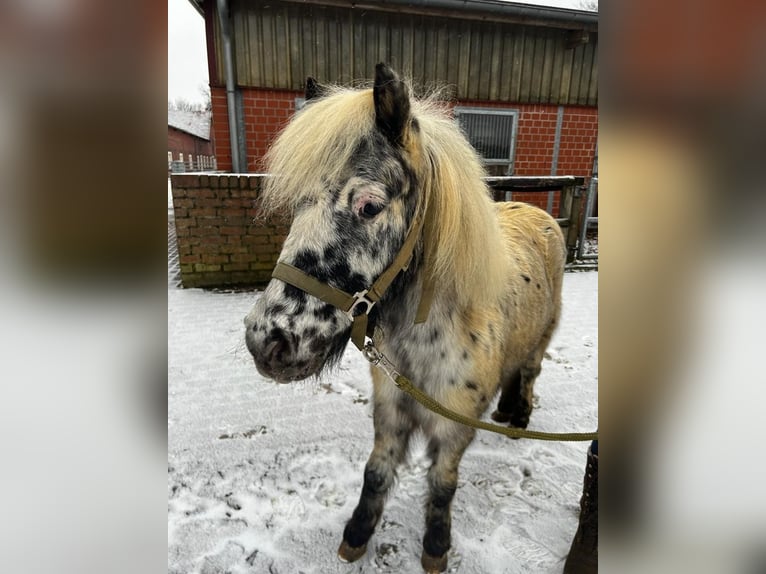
371 353
375 357
359 298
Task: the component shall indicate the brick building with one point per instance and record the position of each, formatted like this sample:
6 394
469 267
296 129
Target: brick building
522 79
189 144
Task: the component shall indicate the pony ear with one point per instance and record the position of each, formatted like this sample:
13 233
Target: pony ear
313 89
392 104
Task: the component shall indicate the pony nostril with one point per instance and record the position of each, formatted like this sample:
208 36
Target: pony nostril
274 350
278 349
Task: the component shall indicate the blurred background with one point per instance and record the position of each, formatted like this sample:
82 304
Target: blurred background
682 283
83 335
682 286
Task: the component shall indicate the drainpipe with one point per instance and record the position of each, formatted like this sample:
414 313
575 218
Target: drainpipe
228 63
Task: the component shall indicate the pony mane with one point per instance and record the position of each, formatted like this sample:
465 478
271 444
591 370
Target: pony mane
464 247
463 244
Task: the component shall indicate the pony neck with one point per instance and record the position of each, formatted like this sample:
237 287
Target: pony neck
412 292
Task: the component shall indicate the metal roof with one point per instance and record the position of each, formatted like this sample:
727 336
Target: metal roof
489 10
194 123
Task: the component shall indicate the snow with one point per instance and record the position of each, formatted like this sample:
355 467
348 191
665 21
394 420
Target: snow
262 477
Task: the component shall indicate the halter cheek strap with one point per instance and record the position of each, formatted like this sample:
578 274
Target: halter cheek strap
359 305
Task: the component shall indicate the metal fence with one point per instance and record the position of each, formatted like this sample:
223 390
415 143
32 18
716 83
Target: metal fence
191 162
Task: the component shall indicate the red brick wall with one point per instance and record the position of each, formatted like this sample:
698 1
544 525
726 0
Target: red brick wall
267 111
535 138
181 142
222 237
222 240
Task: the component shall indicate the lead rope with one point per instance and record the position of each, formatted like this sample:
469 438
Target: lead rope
375 357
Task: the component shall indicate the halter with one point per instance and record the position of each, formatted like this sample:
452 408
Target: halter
358 306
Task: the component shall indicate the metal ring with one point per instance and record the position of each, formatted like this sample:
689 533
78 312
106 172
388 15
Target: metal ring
359 298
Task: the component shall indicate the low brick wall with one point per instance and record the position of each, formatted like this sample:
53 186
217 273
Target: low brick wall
222 237
224 240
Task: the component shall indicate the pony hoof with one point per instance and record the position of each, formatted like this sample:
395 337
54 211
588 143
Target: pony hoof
433 564
499 417
348 553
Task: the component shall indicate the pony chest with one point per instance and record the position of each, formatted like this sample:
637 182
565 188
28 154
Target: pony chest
433 361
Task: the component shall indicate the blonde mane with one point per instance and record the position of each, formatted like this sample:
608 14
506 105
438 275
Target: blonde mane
465 249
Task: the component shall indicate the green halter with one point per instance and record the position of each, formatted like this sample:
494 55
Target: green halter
359 305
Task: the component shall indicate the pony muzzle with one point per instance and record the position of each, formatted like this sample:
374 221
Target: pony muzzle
276 356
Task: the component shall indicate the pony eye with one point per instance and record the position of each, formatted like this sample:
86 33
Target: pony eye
370 210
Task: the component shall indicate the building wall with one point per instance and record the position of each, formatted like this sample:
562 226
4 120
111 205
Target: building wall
479 54
221 237
267 111
182 142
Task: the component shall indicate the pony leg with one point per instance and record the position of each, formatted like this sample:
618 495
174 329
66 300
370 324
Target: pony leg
523 408
529 373
393 427
509 397
515 404
442 483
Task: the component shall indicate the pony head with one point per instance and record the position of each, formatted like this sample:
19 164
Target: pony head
342 167
353 168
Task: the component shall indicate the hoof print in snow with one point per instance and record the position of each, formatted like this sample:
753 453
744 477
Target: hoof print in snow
223 560
251 557
247 434
387 524
232 503
387 555
330 496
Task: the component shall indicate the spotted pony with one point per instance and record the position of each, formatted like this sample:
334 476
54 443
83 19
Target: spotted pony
355 168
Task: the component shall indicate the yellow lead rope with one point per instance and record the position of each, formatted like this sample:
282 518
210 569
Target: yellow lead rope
375 357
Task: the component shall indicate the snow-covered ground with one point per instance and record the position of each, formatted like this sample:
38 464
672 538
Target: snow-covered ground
262 477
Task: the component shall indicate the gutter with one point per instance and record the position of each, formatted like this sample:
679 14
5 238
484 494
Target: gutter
228 63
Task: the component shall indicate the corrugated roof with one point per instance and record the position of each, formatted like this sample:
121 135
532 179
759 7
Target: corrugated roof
489 10
194 123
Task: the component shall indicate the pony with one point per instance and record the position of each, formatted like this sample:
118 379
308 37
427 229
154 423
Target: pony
354 168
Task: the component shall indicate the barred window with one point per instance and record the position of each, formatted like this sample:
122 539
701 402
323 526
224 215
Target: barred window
492 132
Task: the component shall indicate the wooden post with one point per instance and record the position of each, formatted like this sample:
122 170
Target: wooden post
573 229
565 205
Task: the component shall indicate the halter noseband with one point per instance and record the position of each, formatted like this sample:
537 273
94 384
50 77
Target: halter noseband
359 305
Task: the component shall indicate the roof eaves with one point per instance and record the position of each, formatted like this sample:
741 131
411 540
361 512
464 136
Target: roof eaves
197 5
489 10
184 130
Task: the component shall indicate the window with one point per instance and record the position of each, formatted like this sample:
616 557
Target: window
492 132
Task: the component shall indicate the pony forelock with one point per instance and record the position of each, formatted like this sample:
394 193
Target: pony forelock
319 140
